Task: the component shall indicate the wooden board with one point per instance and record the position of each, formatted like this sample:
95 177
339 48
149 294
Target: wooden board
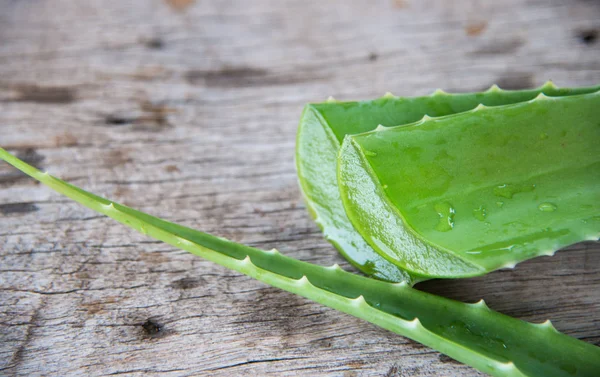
188 110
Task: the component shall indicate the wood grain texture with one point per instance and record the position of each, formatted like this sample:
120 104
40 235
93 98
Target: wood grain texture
188 110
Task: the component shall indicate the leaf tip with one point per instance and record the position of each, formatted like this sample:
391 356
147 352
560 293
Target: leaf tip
389 95
334 267
330 99
438 92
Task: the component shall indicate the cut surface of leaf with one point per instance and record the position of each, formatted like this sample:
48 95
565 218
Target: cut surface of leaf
471 333
321 131
469 193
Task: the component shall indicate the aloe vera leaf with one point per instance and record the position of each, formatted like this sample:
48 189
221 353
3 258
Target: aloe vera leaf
469 193
321 131
471 333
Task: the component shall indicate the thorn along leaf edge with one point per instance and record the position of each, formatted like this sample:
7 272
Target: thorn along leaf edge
323 127
470 333
458 330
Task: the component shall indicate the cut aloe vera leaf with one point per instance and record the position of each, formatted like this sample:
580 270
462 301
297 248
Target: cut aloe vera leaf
321 131
473 192
470 333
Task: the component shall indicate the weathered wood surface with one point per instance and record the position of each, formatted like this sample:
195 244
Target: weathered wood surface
188 110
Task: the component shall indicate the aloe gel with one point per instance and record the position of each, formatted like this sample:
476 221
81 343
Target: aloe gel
322 130
470 193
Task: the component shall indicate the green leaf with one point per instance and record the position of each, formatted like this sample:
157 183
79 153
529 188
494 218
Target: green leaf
470 333
321 131
470 193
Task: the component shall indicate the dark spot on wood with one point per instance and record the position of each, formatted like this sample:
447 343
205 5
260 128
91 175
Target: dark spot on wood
587 36
150 117
499 47
356 364
25 207
13 175
399 4
155 43
172 169
118 120
98 306
259 212
17 357
239 77
475 29
93 308
373 57
154 117
516 81
30 156
227 76
179 5
394 371
186 283
65 140
45 94
152 328
117 158
447 359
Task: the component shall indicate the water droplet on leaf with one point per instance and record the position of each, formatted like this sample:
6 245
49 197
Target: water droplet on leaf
446 213
480 213
547 207
508 190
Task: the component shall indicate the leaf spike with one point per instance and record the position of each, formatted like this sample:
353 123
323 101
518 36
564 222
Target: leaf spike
400 284
540 97
480 107
438 92
330 99
480 304
334 267
360 301
273 251
509 365
245 262
547 324
381 127
549 85
415 323
303 281
548 253
509 265
109 207
389 95
593 237
426 118
494 89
